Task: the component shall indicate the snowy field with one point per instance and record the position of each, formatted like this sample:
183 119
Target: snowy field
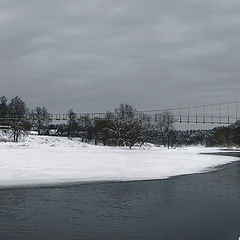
41 160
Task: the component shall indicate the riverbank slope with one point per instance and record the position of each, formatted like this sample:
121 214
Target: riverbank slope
43 160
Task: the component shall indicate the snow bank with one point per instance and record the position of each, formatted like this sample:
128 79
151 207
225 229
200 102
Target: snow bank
50 160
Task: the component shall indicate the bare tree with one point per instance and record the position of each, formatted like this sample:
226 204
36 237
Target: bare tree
3 105
72 123
125 129
125 112
146 128
19 128
39 117
165 126
117 130
17 110
119 127
101 131
3 110
85 126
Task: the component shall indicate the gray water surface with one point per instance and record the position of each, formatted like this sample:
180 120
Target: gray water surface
192 207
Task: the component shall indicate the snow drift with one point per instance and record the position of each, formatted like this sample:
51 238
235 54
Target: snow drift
44 160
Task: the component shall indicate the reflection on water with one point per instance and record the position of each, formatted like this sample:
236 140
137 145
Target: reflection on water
202 206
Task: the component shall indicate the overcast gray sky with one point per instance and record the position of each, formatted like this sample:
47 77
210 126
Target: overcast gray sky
92 55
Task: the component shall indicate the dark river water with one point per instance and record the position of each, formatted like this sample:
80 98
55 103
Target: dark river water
201 206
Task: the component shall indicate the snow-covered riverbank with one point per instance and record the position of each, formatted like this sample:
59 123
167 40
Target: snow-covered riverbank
49 160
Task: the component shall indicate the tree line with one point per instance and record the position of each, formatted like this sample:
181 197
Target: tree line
127 129
121 127
225 136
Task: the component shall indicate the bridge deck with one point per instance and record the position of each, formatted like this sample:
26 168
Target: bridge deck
221 113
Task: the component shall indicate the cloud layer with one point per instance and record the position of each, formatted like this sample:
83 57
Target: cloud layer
92 55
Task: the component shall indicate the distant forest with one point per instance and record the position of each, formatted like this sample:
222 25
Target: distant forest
125 130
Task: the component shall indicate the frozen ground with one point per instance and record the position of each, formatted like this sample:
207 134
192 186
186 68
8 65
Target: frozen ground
50 160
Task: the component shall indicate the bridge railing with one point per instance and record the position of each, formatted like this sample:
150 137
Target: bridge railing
221 113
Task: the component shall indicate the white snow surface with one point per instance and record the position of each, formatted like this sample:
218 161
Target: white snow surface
41 160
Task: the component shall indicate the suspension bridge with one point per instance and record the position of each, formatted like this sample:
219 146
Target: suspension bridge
218 113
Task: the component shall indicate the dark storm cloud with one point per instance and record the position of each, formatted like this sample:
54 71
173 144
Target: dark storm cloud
92 55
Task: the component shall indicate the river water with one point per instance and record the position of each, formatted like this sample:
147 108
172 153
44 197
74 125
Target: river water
192 207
